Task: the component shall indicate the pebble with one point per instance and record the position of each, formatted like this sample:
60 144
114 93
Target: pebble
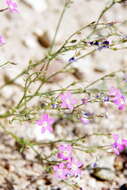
43 40
29 42
123 187
103 174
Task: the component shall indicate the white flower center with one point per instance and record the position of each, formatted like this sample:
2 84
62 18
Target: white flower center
68 101
74 167
45 123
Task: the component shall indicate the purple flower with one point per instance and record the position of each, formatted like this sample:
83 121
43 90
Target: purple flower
61 171
68 101
106 42
106 99
101 45
115 145
117 98
54 106
75 167
71 60
88 114
85 118
118 146
12 6
65 152
46 122
94 165
2 40
96 43
70 168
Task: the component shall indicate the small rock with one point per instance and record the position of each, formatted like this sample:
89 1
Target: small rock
123 187
43 39
56 188
29 42
103 174
77 74
99 70
118 163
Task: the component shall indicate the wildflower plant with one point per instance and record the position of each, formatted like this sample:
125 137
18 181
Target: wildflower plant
68 104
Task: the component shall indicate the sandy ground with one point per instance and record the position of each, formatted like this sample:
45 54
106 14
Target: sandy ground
22 171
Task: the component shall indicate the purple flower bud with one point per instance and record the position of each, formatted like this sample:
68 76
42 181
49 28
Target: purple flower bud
54 106
106 42
88 114
71 60
106 99
91 43
96 43
97 96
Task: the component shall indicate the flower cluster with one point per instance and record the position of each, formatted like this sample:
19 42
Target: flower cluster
70 166
119 146
68 102
100 45
117 98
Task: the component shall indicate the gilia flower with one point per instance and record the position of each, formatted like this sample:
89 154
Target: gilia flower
70 168
2 40
61 171
46 122
12 6
68 101
119 146
75 167
65 152
117 97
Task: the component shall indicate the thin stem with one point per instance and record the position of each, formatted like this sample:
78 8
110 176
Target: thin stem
100 16
57 28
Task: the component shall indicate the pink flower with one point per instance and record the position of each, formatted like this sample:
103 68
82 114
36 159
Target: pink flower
70 168
2 40
46 123
12 6
115 145
123 145
61 171
67 100
75 167
118 146
65 152
117 98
